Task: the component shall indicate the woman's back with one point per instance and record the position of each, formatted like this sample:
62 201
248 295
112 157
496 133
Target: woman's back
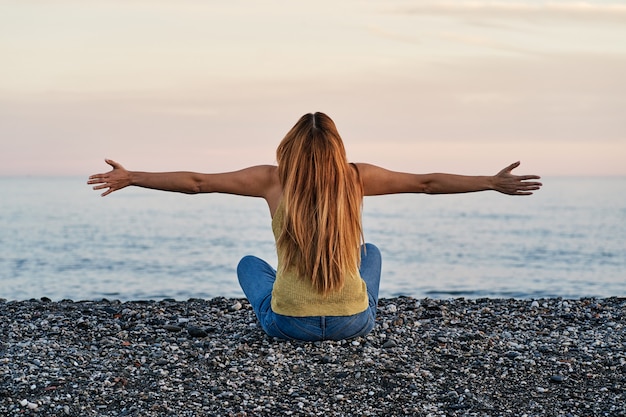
296 295
320 231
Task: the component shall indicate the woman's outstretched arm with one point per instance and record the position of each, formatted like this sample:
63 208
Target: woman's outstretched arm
255 181
378 181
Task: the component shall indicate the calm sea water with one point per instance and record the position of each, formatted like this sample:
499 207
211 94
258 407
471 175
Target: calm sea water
59 239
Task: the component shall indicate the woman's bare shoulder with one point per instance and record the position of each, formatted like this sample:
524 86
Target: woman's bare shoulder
378 180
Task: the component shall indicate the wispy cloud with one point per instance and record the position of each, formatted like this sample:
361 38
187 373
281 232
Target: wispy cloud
518 28
486 42
518 10
394 36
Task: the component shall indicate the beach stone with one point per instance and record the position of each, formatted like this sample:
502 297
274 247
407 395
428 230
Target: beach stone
196 332
110 310
172 328
557 379
390 344
512 354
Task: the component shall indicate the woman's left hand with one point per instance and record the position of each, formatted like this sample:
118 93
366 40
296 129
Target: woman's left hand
114 180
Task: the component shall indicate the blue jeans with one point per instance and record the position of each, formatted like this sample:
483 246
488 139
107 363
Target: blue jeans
257 277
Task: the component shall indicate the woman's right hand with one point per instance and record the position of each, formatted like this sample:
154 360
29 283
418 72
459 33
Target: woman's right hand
507 183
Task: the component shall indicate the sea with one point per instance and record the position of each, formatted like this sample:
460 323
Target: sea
59 239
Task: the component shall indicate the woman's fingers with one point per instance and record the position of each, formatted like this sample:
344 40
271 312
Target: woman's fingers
510 168
529 177
114 165
97 179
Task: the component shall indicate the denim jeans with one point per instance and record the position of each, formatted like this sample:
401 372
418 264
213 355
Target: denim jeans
257 277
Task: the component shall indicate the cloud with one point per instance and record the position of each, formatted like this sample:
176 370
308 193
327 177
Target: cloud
486 42
518 10
392 35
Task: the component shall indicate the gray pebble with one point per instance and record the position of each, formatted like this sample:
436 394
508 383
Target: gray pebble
196 331
390 344
172 328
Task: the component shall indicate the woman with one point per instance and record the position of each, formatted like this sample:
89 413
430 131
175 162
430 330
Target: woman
326 285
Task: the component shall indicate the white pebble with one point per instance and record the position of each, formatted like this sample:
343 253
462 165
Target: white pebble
339 396
355 343
534 304
24 403
32 406
392 308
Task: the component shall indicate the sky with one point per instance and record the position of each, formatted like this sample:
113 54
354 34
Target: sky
421 86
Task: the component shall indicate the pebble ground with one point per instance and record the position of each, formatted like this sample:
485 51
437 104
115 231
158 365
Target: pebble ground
459 357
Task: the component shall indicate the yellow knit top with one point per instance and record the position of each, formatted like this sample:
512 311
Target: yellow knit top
294 295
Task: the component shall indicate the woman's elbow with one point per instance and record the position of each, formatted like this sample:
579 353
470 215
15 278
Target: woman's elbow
427 187
196 186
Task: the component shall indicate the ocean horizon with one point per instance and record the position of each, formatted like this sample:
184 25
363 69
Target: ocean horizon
61 240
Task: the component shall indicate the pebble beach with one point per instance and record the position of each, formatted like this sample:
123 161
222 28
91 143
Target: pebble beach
456 357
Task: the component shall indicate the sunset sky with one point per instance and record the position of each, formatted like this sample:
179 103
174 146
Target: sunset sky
454 86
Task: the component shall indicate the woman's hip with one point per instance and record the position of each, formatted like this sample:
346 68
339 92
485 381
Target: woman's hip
320 327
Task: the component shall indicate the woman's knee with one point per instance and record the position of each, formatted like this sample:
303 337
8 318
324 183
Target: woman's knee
245 262
371 250
371 259
251 264
253 272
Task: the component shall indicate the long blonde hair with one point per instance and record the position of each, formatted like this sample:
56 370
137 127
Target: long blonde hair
322 197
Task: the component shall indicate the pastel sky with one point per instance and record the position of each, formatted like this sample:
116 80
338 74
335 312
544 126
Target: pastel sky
205 85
